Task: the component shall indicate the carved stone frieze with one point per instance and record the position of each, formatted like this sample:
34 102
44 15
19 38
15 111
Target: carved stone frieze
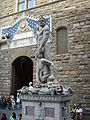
45 97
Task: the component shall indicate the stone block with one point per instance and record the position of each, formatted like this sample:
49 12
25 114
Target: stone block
40 107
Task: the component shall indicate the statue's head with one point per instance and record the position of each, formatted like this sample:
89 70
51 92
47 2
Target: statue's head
42 21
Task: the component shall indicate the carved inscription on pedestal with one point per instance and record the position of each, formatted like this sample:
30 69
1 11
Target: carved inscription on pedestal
49 112
30 110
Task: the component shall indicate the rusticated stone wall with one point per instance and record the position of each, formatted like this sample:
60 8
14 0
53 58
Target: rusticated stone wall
8 7
73 68
6 59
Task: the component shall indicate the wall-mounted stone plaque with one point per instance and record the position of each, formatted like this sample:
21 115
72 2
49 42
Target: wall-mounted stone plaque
49 112
30 110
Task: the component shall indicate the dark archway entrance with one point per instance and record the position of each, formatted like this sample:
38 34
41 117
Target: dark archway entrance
22 73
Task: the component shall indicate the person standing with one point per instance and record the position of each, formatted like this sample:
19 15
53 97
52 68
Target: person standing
3 101
73 112
4 117
18 101
13 116
9 102
20 117
79 113
13 102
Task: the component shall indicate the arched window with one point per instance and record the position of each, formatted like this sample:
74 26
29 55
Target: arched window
24 4
62 41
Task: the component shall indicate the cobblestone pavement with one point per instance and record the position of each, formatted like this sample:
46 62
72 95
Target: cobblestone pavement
9 112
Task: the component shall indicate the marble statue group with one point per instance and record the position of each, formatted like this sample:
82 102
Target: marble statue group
46 82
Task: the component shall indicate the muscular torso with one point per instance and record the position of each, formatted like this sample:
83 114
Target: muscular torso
43 34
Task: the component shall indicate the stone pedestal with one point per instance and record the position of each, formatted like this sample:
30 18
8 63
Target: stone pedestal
45 107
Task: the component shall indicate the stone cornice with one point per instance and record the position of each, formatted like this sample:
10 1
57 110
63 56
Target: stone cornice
49 98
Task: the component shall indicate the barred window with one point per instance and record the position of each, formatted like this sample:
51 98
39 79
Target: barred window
62 41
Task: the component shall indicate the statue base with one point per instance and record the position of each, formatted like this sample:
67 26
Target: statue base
45 107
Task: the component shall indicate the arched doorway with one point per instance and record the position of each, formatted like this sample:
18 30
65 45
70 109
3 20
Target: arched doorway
22 73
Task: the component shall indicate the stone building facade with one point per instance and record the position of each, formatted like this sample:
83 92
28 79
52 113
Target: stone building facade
73 66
